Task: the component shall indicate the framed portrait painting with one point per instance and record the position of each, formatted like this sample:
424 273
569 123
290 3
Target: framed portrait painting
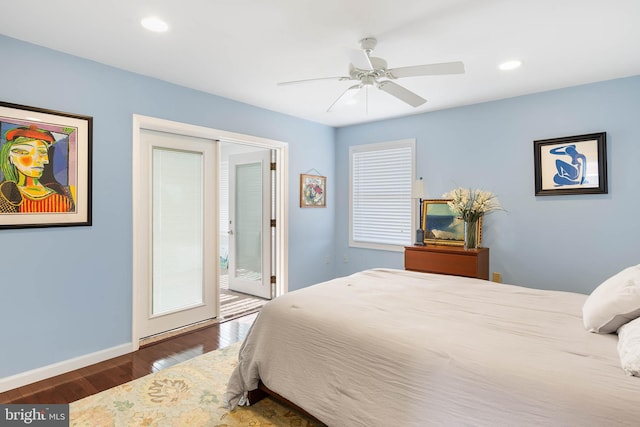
443 227
45 167
313 191
571 165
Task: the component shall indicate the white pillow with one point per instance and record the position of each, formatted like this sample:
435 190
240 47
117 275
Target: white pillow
629 347
615 302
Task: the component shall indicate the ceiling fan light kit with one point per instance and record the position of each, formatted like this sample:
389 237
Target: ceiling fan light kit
373 72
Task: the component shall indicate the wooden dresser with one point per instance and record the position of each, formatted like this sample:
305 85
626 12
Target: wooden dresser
453 260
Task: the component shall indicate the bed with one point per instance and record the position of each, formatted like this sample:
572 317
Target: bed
387 347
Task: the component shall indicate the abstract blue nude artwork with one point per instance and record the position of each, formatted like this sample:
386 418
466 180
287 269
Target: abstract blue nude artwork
569 173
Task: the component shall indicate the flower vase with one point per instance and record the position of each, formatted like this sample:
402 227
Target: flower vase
471 234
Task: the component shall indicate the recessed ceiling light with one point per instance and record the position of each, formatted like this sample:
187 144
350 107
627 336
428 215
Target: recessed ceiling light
510 65
155 24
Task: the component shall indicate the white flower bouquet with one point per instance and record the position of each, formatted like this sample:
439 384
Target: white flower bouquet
470 205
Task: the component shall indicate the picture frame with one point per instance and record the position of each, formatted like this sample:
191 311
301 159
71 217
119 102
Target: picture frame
571 165
313 191
45 167
442 226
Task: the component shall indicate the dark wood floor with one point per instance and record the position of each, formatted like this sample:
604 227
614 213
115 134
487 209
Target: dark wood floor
92 379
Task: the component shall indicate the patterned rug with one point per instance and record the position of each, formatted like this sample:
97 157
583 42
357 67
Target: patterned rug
187 394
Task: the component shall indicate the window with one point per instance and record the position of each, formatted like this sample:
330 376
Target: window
381 177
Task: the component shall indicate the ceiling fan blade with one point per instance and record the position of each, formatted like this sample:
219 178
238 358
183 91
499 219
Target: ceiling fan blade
346 95
292 82
360 59
426 70
369 62
401 93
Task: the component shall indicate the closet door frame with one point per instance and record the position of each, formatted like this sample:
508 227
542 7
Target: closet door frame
140 235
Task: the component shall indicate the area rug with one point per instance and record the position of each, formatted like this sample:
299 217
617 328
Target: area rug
187 394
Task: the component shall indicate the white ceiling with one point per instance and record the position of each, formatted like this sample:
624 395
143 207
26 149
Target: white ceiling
240 49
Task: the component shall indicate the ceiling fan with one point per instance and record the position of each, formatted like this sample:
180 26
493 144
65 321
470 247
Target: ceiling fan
370 71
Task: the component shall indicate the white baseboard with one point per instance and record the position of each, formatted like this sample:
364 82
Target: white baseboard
28 377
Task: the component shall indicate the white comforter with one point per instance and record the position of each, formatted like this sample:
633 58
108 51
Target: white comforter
398 348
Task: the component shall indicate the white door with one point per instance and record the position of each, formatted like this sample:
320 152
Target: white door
182 227
250 223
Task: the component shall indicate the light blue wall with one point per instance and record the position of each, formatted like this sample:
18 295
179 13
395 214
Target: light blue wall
553 242
66 292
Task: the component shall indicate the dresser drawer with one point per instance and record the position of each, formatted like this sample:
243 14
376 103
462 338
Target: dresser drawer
448 260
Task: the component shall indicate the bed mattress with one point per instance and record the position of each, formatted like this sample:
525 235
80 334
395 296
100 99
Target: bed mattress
389 347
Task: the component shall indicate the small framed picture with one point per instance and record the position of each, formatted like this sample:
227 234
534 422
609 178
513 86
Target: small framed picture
443 227
313 191
45 167
571 165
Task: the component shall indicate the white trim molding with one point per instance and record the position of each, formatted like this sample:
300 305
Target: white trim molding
282 189
44 372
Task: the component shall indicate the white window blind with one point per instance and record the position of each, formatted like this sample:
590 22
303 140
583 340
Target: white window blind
381 205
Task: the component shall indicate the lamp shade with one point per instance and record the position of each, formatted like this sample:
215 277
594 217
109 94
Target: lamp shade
417 191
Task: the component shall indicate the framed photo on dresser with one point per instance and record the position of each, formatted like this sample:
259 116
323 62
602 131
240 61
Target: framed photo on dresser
443 227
